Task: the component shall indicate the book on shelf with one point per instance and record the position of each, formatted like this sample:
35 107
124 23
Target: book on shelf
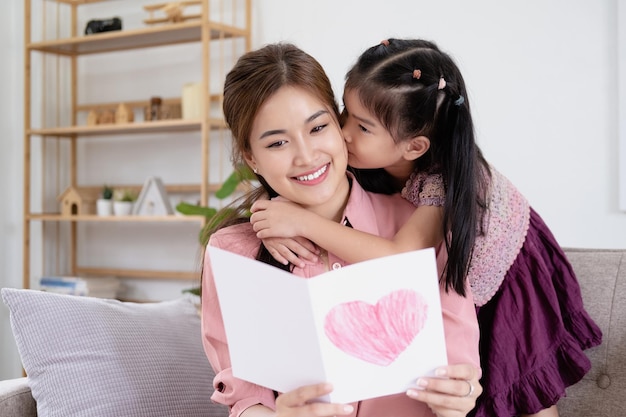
102 287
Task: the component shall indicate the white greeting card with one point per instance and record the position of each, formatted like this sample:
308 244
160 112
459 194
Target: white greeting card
370 329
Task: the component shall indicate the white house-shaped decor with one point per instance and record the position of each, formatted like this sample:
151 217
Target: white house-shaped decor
153 200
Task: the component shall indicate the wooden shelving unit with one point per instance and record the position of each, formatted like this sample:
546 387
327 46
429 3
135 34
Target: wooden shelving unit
210 28
139 38
164 126
95 218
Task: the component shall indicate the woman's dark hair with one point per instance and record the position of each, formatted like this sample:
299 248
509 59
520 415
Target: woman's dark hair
400 82
255 78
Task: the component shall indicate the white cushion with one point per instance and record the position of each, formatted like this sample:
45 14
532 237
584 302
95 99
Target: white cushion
96 357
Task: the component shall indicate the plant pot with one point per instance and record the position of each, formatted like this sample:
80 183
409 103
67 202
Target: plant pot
104 207
122 208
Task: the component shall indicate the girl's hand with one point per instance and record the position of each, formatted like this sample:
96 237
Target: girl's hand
452 395
299 403
276 223
273 218
296 250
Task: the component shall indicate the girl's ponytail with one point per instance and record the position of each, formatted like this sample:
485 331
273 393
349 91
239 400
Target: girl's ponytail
462 171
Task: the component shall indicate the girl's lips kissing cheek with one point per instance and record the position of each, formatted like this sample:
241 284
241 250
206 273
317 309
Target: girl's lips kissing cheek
312 177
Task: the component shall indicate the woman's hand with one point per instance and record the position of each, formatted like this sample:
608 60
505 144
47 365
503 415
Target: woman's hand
300 403
452 393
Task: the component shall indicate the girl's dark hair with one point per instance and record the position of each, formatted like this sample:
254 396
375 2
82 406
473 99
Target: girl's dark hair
255 78
410 104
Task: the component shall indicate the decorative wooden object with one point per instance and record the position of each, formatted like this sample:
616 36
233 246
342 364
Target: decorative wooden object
171 111
106 117
174 12
92 118
76 201
123 114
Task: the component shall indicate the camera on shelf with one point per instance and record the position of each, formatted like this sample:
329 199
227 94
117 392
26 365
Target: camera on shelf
103 25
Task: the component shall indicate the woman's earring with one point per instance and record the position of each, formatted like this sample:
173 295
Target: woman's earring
255 170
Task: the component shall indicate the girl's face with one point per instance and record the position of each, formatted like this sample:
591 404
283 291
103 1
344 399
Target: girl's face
297 146
370 145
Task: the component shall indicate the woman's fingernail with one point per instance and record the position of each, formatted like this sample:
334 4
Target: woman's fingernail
441 372
422 383
348 408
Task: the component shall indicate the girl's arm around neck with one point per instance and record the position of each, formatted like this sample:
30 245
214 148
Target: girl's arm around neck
282 219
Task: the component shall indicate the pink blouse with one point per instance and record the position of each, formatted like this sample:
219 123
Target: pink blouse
373 213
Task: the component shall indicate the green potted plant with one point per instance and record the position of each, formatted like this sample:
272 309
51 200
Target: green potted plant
104 205
239 175
123 201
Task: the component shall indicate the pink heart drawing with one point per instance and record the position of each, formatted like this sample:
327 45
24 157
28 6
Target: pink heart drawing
377 333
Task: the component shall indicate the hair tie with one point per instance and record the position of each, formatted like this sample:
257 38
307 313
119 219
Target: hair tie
417 74
442 83
385 42
459 101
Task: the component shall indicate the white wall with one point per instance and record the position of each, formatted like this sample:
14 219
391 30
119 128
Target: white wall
541 76
621 89
11 138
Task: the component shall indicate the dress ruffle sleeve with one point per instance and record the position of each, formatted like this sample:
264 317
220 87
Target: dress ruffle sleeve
425 189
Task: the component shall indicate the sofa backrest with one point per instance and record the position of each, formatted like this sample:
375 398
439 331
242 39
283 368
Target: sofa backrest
602 277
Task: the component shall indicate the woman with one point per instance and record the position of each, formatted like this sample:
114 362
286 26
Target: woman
283 116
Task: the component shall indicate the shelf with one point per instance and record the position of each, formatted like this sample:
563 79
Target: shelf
170 188
174 218
138 104
78 2
160 126
140 273
170 34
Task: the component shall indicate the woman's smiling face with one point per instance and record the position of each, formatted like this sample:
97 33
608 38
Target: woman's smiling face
297 146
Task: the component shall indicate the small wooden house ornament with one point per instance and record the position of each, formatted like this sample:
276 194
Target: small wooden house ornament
153 199
106 117
77 201
123 114
92 118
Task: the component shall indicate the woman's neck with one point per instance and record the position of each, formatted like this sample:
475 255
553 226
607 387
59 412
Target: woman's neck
336 206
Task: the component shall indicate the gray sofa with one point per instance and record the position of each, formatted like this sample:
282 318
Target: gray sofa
602 276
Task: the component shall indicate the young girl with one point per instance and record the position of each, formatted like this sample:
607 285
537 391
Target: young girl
283 116
406 111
